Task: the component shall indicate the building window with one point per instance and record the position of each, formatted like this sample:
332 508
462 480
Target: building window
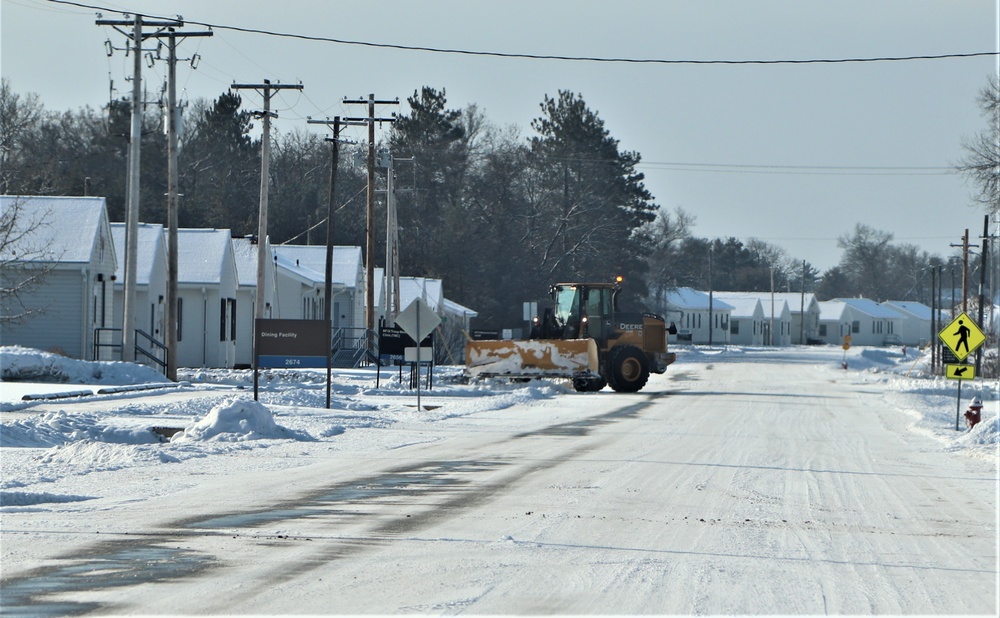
232 319
856 326
734 328
222 319
180 316
822 330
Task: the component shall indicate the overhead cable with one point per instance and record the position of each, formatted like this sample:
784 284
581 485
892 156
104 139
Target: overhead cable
526 56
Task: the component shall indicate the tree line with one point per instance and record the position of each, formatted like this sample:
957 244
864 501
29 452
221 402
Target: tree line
498 216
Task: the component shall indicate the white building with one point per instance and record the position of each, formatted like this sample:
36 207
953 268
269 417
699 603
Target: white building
206 299
66 243
835 321
873 324
694 314
915 327
301 284
746 321
802 320
245 254
150 289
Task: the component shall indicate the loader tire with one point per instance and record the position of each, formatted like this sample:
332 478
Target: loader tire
628 369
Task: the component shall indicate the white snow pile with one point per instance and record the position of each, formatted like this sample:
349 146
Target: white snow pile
235 420
28 365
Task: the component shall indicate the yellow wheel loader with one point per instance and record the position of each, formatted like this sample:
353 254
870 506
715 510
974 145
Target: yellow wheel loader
582 337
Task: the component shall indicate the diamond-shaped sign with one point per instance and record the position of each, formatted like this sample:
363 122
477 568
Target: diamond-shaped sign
962 336
418 319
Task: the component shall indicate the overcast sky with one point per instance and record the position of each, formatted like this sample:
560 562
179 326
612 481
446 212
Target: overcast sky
793 154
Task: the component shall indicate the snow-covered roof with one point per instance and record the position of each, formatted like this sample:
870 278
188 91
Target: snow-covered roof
692 299
794 300
871 308
832 311
309 262
454 308
912 308
149 245
245 255
56 229
743 307
201 254
431 290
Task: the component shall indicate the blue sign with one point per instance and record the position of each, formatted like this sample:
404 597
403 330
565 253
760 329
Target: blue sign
291 362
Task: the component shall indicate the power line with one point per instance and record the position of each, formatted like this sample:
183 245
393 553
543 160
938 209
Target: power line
806 170
526 56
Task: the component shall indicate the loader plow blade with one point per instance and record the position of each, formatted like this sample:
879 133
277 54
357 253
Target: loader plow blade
535 358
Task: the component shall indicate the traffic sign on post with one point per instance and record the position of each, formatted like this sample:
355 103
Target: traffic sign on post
418 319
960 372
962 336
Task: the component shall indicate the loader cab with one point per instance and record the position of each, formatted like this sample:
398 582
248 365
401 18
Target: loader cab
584 309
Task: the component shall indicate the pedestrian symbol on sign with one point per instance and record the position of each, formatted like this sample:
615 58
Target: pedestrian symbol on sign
962 336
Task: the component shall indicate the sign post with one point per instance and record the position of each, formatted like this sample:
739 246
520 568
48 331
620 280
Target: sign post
418 320
962 337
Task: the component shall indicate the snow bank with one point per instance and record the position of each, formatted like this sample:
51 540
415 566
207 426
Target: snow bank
236 420
58 428
30 365
28 498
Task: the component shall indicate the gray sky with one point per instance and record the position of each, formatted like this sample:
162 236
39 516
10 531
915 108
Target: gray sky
793 154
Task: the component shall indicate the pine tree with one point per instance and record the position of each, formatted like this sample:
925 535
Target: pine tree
590 201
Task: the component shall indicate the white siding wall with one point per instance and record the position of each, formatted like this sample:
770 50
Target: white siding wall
64 309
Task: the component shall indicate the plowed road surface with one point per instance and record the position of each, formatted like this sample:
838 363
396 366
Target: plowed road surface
733 488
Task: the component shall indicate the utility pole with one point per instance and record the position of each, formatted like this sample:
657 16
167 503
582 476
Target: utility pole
772 306
965 271
932 336
370 211
265 156
982 286
336 125
172 196
392 307
802 307
391 274
132 207
711 326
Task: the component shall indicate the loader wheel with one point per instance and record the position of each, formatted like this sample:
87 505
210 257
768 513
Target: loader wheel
628 370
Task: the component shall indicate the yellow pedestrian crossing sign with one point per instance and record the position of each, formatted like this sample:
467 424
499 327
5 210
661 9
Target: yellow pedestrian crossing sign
962 336
960 372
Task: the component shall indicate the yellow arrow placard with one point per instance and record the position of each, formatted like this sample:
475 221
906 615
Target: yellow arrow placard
962 336
960 372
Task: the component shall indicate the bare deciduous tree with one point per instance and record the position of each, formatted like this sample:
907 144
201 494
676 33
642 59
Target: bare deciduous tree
982 164
24 263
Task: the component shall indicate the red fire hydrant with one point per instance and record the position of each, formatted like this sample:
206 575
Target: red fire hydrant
974 414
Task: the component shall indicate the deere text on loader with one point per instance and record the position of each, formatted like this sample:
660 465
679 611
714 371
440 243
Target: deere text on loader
583 337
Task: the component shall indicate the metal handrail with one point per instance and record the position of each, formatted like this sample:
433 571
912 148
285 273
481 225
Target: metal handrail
141 336
156 345
98 345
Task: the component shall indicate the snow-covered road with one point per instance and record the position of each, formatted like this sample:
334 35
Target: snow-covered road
768 485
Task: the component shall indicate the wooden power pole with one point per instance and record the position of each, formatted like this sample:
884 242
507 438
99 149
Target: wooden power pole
370 120
265 155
